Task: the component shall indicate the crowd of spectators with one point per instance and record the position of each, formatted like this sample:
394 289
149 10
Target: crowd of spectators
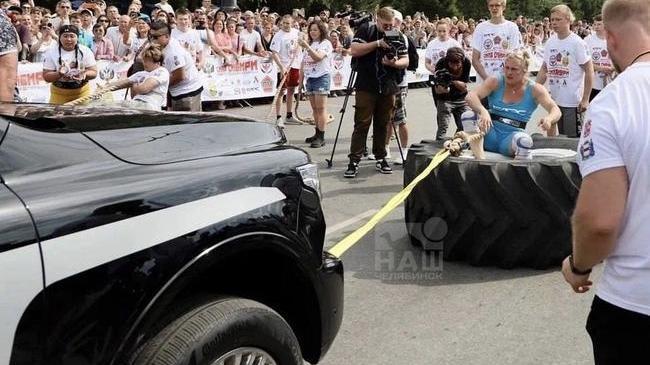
115 35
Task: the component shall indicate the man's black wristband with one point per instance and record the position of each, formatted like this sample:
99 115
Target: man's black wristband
575 270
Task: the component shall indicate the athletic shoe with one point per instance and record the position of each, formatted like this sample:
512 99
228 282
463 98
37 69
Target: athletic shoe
399 161
310 139
319 140
279 123
383 167
352 171
292 120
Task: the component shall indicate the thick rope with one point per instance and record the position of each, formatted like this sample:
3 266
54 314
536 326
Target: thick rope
117 85
456 145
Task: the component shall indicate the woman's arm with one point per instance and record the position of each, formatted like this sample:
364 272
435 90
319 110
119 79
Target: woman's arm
145 87
474 101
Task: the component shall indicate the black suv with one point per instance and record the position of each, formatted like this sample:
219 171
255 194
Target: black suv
130 237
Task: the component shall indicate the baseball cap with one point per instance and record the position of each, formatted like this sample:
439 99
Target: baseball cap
145 18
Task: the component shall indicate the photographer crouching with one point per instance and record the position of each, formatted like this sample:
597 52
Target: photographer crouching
450 89
380 55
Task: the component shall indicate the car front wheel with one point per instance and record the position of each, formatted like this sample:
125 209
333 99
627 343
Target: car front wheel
225 332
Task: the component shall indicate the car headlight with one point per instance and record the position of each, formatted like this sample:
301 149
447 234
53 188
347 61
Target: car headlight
309 174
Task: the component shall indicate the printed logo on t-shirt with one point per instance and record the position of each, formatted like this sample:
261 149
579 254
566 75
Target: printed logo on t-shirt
558 70
587 149
176 61
586 130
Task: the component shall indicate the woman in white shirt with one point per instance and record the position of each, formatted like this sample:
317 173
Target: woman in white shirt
68 67
149 87
316 71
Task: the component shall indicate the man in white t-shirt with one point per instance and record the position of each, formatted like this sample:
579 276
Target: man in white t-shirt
493 40
251 40
568 67
188 38
185 85
287 55
610 221
603 68
121 36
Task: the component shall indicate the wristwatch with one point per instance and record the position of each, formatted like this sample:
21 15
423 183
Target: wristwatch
575 270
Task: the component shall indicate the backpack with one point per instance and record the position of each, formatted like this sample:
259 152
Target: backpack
414 58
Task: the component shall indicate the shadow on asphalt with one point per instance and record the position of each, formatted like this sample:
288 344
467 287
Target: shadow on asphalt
385 254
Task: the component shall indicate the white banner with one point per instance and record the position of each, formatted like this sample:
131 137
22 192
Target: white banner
251 77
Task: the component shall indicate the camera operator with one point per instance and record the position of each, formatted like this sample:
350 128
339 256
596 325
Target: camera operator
450 88
381 56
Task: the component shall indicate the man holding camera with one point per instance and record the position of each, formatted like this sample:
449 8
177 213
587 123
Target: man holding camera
381 55
450 87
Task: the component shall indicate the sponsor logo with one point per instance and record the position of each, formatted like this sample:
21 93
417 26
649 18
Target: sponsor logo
586 130
266 67
267 84
587 149
487 44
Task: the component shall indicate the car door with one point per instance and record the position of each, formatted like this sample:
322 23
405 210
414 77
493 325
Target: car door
21 280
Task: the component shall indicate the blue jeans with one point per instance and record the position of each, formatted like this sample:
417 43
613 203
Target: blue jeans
318 85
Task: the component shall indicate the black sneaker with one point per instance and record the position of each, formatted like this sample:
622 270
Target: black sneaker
383 166
319 141
352 171
310 139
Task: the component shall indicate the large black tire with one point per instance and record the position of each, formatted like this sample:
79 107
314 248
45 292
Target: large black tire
215 329
496 211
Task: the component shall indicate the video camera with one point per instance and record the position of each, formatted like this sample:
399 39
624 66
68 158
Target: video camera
442 78
357 18
396 42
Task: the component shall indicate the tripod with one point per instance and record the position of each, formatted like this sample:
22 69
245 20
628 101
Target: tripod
348 90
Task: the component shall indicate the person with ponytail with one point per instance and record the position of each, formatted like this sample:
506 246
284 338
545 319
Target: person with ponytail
68 67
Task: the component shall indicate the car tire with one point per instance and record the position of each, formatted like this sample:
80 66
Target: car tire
209 332
498 211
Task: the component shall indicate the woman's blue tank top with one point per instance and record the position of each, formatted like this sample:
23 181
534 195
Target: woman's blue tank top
521 111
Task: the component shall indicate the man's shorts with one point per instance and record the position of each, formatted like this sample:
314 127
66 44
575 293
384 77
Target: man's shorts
399 116
293 79
569 123
318 85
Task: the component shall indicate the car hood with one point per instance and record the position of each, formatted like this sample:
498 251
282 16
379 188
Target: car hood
182 142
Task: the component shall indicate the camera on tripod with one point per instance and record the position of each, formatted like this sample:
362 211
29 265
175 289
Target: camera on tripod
396 42
442 78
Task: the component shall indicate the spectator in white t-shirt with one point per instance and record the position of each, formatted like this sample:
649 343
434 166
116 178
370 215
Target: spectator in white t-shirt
69 67
63 11
568 67
43 44
287 56
437 48
493 40
150 86
603 67
610 220
188 38
122 37
251 40
185 85
316 70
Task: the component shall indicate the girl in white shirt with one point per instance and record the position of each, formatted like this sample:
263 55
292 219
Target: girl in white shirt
316 70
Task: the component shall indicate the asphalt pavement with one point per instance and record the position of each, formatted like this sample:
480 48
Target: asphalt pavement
405 307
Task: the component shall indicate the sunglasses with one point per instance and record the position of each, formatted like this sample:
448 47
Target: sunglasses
103 21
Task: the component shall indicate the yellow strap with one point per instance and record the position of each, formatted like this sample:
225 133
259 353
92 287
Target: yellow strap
354 237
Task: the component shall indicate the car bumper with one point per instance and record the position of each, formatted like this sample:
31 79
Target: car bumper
331 299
